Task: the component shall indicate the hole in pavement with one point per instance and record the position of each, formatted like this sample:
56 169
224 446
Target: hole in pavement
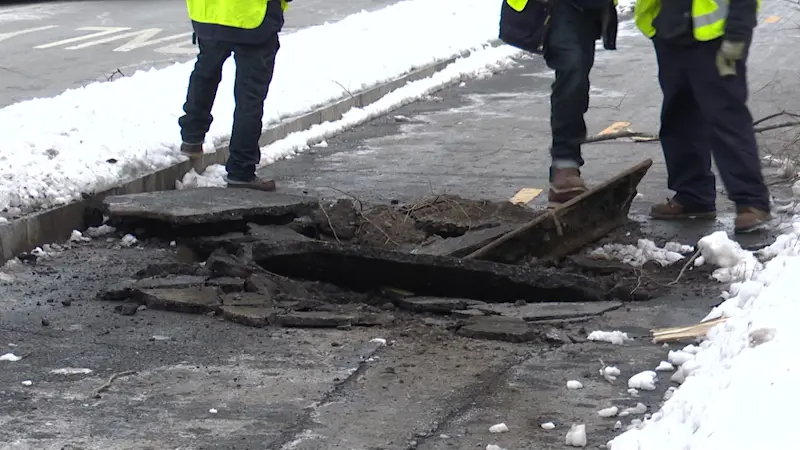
302 263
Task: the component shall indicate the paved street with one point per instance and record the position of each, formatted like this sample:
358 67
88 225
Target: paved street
51 46
203 382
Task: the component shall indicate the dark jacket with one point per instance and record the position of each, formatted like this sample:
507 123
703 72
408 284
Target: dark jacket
272 24
528 29
674 21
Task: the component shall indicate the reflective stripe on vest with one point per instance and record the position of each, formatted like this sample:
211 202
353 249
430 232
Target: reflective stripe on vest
519 5
244 14
708 16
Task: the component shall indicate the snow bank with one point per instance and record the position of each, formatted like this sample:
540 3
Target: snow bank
738 387
91 138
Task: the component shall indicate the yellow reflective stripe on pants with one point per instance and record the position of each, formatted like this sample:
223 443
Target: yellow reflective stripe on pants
721 13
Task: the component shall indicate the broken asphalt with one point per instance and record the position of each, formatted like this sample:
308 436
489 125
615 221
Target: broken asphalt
204 380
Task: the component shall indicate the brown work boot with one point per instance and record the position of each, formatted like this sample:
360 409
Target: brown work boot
749 218
672 210
257 184
192 150
565 184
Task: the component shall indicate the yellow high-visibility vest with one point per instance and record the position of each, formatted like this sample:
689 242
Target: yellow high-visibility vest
519 5
244 14
709 17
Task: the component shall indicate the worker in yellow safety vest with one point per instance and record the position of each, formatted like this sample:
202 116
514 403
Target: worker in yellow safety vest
248 29
701 47
565 33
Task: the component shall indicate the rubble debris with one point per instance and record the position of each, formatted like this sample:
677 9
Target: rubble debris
573 225
159 269
207 206
175 282
254 316
338 220
234 242
227 284
385 226
127 309
439 305
199 300
365 268
315 319
496 328
450 215
534 312
461 246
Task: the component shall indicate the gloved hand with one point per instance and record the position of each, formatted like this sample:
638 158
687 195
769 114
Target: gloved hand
727 56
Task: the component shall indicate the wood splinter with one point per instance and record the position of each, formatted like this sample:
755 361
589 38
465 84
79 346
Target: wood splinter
675 334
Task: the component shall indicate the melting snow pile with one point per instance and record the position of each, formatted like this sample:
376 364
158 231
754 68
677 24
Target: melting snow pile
736 385
644 251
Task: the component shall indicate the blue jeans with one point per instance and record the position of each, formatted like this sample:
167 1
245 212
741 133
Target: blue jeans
254 68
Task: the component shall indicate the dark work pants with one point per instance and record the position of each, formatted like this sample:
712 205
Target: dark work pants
702 114
570 53
254 67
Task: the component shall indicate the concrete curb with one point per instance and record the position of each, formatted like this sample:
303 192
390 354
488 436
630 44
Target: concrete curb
56 224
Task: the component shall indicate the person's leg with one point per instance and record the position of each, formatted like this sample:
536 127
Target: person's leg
685 140
570 53
200 96
254 68
723 101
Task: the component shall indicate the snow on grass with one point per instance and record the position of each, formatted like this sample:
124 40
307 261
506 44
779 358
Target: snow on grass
644 251
480 64
739 385
89 139
613 337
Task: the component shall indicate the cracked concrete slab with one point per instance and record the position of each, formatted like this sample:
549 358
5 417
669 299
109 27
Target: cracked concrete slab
208 205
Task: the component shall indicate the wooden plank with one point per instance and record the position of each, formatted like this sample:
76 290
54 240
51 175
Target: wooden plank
525 196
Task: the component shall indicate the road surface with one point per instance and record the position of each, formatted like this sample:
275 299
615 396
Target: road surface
48 47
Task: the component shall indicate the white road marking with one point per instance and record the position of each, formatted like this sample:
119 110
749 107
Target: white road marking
101 31
140 39
12 34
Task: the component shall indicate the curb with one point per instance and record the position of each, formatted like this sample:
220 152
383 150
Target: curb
55 225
